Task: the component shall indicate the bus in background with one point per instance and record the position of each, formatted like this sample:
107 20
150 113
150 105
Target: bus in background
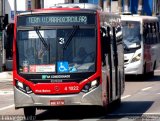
141 44
65 56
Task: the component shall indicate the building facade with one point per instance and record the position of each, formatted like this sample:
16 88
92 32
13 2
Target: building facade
22 5
149 7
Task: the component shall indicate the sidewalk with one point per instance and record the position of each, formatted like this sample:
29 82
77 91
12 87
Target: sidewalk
6 76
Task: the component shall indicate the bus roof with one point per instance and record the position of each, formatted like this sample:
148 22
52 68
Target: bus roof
64 7
138 18
78 5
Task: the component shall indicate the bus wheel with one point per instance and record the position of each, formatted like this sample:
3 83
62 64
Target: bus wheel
144 69
117 102
143 76
30 113
151 74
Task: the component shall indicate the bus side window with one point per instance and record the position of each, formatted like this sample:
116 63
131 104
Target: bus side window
149 38
158 32
145 32
159 29
154 33
115 48
156 29
152 40
157 26
105 44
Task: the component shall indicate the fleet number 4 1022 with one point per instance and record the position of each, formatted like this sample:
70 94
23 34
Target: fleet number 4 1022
71 88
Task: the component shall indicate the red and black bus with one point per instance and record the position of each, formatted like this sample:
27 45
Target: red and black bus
67 55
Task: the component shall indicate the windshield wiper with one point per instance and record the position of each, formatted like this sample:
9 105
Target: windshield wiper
41 38
75 28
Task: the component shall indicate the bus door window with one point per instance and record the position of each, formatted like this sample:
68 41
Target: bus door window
115 48
105 45
148 38
157 24
154 36
115 59
152 41
144 32
158 29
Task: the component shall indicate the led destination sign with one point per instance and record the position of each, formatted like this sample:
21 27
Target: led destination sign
47 20
58 19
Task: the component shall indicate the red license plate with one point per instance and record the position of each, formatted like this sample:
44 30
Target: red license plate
56 102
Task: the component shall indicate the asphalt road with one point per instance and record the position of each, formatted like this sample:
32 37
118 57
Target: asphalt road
140 101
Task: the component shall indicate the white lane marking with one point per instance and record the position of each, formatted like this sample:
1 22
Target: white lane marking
6 92
133 114
126 119
4 108
90 119
125 97
146 88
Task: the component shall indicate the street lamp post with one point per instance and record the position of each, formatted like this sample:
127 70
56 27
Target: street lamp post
15 7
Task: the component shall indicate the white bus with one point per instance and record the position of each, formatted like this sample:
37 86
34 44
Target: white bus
141 44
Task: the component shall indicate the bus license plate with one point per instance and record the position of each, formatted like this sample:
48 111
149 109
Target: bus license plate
56 102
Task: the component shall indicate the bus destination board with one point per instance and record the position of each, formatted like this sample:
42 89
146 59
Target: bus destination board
51 19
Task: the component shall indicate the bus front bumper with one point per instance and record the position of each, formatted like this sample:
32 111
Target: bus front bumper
21 99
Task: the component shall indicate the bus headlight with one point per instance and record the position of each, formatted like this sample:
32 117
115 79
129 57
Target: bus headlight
23 87
91 85
136 57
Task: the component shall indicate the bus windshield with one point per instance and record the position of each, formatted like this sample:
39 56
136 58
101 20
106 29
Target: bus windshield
60 50
131 33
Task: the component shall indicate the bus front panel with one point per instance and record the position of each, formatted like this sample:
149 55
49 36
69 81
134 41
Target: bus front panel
56 60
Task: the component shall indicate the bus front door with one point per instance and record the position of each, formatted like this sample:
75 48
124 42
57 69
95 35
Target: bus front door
114 66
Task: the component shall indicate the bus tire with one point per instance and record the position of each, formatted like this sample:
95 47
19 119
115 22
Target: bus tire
30 113
151 74
144 70
117 102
